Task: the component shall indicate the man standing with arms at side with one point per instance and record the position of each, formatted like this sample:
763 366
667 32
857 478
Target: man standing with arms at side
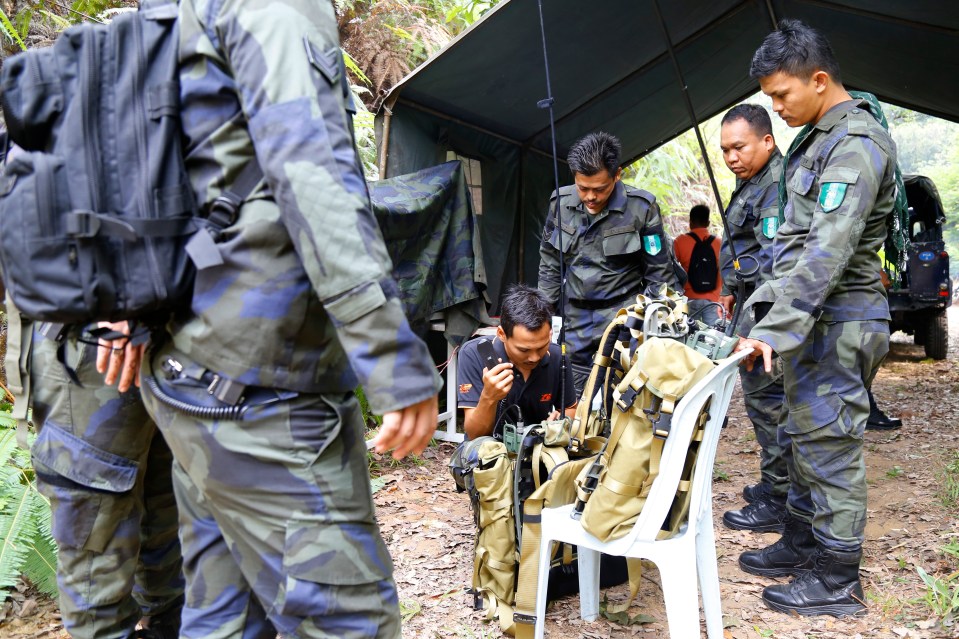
750 152
294 305
614 247
826 316
698 253
529 374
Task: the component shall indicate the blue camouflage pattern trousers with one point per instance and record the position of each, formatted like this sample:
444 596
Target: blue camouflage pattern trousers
106 470
764 397
825 382
276 511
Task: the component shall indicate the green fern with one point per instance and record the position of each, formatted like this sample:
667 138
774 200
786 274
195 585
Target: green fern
26 543
7 29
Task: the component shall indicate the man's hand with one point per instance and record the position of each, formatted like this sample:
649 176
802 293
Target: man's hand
497 381
409 429
759 348
119 358
727 301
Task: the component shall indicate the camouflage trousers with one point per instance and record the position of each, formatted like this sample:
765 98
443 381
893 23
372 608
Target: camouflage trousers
584 330
276 511
764 396
825 383
106 470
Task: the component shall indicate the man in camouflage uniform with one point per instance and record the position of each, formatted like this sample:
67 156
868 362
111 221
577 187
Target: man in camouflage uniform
614 247
750 152
827 317
105 468
293 306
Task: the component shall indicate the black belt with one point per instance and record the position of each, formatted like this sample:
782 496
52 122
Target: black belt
595 305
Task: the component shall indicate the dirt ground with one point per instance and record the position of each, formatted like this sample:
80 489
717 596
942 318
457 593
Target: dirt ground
429 529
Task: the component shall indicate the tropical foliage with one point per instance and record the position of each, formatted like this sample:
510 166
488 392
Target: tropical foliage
26 542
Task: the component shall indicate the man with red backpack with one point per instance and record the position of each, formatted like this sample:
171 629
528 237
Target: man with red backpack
698 252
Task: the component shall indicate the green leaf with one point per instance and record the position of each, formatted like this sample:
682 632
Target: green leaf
10 31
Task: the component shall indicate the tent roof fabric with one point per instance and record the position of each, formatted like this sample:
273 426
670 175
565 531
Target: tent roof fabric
611 70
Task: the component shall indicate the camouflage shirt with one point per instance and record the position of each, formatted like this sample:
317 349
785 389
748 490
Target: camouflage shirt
614 253
302 296
840 185
753 217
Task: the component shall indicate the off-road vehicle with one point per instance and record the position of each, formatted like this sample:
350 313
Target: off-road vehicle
919 307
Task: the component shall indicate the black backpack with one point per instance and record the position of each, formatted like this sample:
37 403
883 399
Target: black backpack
97 212
703 268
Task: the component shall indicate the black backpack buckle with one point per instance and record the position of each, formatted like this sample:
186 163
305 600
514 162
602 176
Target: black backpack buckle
223 210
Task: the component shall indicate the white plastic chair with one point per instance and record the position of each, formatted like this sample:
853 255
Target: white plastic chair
681 558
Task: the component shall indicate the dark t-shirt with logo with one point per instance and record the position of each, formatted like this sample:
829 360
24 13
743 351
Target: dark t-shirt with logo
535 396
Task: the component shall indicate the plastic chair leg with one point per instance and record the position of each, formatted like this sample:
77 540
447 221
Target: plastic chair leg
709 579
542 585
588 583
678 576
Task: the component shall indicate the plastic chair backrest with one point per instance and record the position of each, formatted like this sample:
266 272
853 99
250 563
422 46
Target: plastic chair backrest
718 384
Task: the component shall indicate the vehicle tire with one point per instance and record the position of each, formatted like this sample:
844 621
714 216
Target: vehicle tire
937 336
920 333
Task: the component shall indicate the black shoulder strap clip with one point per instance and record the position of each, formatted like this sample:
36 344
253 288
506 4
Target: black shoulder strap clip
223 210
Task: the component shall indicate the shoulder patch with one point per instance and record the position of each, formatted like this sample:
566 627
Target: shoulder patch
831 195
770 226
652 244
563 191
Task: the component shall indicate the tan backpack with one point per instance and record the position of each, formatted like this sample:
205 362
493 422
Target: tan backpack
605 461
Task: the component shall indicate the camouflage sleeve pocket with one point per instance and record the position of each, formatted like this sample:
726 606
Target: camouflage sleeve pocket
317 555
355 303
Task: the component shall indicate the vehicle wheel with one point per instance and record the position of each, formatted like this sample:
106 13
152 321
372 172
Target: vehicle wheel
920 333
937 336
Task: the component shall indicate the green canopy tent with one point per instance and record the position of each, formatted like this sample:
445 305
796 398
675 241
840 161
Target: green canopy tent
611 69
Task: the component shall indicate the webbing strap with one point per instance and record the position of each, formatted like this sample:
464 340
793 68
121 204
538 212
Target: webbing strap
620 488
19 348
527 581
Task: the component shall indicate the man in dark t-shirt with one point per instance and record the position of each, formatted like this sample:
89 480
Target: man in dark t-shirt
528 376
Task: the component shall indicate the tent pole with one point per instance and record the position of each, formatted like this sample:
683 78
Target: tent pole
702 149
385 146
772 14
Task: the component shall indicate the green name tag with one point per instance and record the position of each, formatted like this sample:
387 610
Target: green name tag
770 226
652 244
831 195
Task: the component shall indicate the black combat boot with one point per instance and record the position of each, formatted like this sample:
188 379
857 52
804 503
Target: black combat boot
831 588
165 625
763 515
754 492
879 420
791 555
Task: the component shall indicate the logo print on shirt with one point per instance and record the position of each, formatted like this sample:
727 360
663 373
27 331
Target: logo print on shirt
465 388
545 397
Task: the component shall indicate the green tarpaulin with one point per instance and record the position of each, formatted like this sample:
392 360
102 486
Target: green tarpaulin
610 69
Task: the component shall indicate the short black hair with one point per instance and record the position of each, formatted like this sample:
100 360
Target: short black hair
524 306
699 215
796 49
594 152
756 117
